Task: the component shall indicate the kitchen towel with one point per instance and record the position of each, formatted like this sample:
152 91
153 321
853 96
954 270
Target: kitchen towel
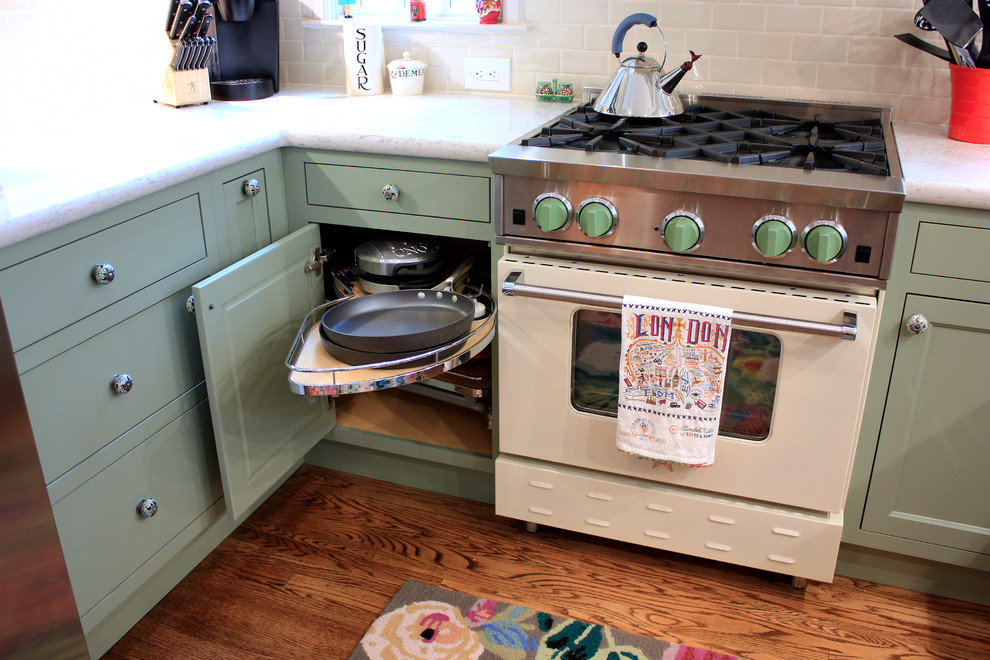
671 374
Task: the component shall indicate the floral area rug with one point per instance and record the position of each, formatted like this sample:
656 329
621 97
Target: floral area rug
423 622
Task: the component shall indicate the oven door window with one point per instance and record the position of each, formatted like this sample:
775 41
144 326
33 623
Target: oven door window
750 382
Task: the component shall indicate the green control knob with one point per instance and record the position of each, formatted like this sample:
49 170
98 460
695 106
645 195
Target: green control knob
773 237
824 243
682 232
551 212
596 217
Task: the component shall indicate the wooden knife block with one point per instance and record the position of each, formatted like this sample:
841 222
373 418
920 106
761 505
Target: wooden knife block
181 88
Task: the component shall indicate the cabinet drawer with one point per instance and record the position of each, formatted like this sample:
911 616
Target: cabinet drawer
55 289
103 536
74 411
456 196
952 251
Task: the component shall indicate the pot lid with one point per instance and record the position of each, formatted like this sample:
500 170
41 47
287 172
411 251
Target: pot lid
641 61
381 256
406 62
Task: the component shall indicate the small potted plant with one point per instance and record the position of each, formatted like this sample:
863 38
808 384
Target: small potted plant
489 11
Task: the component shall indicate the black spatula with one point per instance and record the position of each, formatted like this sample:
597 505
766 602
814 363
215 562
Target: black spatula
983 61
954 19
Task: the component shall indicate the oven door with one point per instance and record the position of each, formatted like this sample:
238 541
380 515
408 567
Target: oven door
792 397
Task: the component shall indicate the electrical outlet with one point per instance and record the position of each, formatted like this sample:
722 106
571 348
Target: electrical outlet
487 73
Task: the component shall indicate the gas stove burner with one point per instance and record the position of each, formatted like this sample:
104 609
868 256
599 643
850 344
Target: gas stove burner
751 137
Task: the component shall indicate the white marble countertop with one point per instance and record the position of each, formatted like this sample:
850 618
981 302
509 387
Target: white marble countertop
61 164
58 165
938 170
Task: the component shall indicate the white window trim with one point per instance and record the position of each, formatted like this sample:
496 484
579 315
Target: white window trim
512 20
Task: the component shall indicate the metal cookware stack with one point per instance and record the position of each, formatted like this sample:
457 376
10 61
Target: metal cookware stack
411 307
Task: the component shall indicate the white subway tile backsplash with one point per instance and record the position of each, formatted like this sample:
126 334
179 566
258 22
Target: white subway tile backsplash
846 77
851 21
826 50
577 62
560 36
814 48
582 12
535 59
686 14
791 74
798 20
764 45
740 17
542 12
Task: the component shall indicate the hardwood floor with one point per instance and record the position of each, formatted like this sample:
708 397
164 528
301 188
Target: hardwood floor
309 571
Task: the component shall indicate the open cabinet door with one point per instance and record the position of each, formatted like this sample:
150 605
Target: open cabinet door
248 316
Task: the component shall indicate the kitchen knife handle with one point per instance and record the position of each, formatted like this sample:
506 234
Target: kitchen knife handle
177 55
202 8
181 17
204 26
172 8
189 29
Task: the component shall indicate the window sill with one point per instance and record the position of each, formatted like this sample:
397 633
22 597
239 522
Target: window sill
447 24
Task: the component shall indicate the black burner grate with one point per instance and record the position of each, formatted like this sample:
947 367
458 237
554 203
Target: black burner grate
747 137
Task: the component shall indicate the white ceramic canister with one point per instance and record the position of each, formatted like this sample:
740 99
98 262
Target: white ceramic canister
364 58
406 75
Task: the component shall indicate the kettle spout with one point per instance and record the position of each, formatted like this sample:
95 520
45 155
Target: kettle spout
669 81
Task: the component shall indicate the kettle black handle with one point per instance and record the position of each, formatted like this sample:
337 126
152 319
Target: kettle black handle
623 27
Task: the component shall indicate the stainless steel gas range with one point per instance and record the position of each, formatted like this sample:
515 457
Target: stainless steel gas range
784 212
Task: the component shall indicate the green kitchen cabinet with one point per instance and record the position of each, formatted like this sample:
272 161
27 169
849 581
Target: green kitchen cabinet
108 352
919 484
362 195
425 196
252 205
248 316
935 433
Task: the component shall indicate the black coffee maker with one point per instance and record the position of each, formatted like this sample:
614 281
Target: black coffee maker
246 63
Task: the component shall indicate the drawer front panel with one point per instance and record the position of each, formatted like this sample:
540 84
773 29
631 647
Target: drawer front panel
662 517
952 251
75 412
104 537
55 289
457 196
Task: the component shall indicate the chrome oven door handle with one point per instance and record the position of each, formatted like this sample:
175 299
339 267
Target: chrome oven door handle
845 330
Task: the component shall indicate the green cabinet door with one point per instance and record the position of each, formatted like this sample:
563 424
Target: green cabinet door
248 316
929 480
246 204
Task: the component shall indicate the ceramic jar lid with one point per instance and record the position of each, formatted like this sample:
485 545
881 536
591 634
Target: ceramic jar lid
406 62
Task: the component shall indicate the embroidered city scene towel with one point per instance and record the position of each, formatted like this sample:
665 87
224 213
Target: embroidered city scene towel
671 375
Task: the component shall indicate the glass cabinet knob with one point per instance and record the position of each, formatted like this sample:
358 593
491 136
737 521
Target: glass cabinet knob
121 383
147 507
251 187
917 324
390 192
191 304
103 273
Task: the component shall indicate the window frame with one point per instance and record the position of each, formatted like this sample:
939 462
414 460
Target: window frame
512 13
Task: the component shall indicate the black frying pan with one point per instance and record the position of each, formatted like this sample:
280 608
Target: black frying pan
399 321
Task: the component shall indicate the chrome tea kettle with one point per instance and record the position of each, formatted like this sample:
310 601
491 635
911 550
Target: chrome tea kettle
640 88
